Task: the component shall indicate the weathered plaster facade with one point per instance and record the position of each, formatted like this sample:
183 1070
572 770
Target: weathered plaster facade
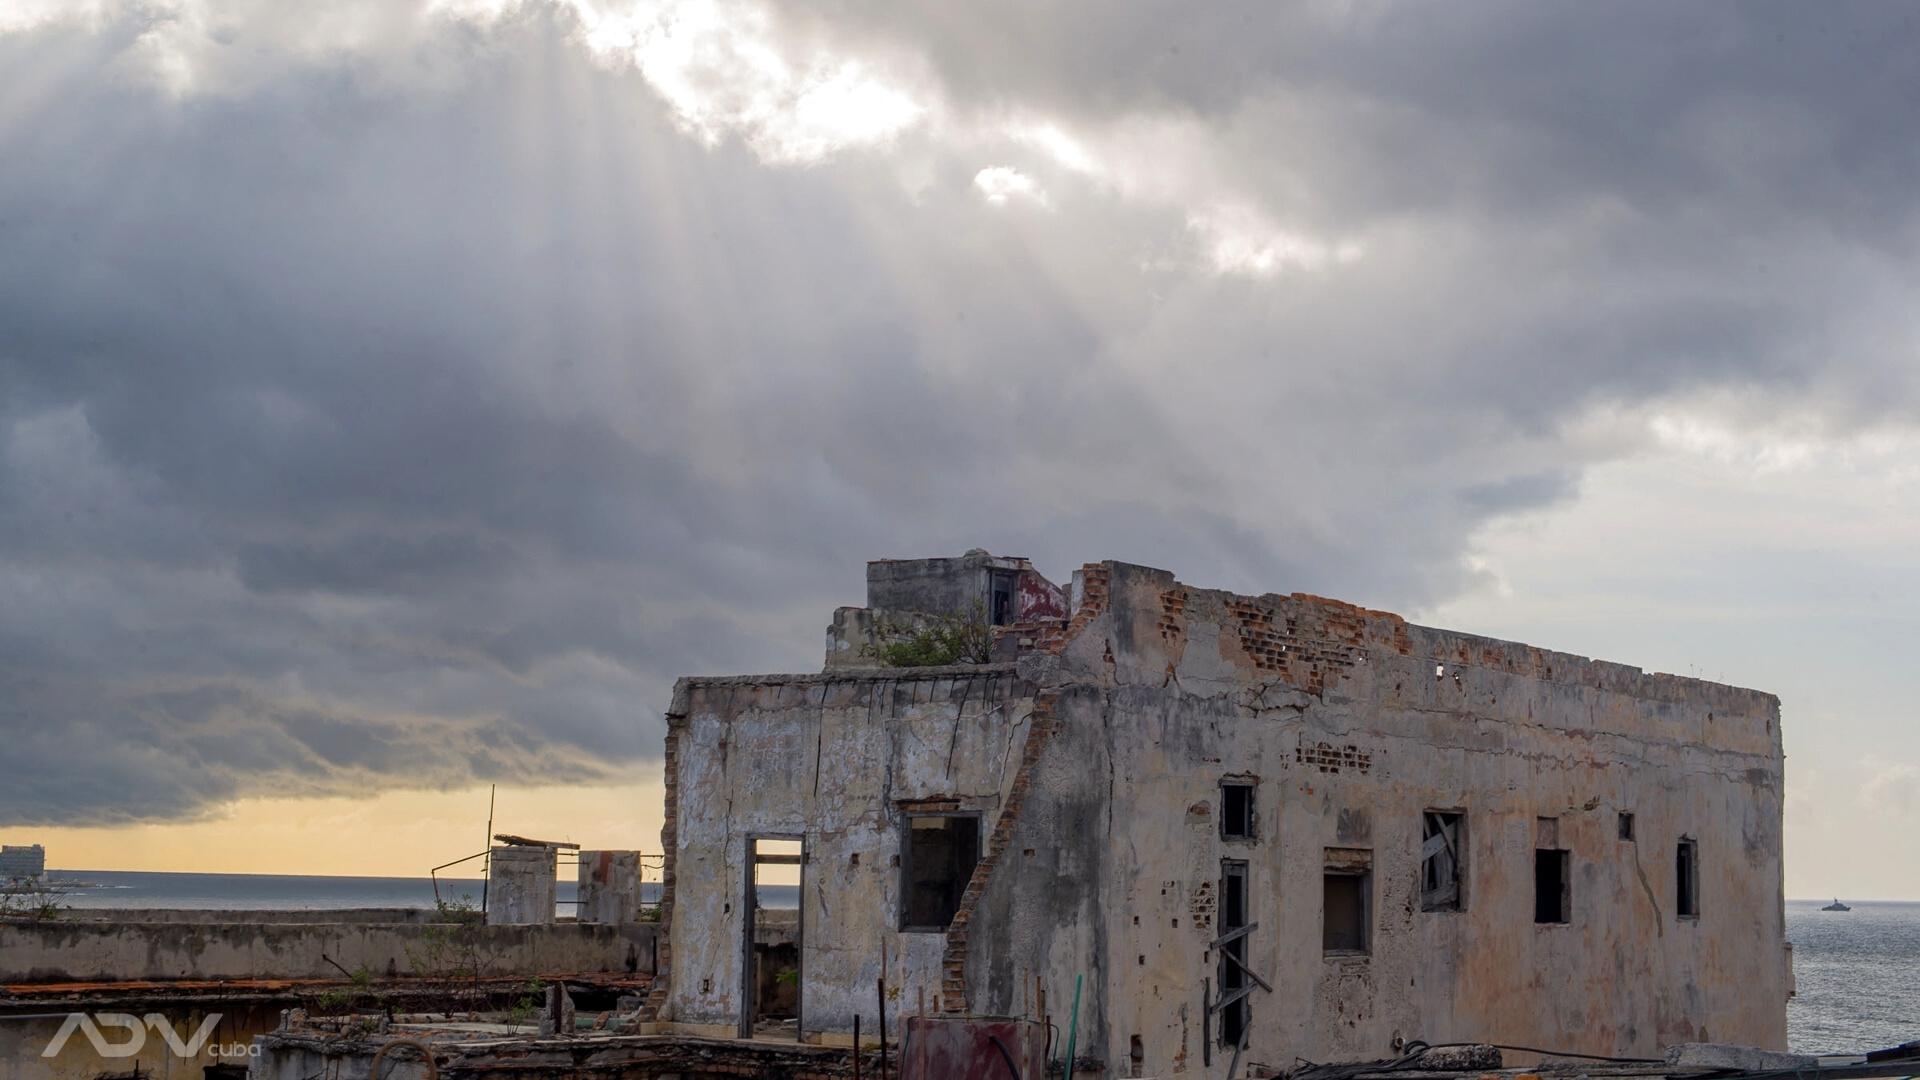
1095 759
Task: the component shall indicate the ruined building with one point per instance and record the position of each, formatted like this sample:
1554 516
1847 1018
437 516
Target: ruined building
1279 825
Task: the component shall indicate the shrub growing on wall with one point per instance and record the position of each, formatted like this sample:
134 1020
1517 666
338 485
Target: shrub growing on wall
935 641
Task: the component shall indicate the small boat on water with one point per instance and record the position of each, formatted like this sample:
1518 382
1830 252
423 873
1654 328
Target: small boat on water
1836 906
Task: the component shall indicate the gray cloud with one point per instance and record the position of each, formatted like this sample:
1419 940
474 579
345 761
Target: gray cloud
413 412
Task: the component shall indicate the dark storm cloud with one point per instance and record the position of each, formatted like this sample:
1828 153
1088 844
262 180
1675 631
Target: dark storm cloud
1503 106
413 412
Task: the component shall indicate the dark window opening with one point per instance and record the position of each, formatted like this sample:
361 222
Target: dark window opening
1443 861
1233 954
1000 611
1551 902
1236 811
940 855
1345 913
1626 825
1686 875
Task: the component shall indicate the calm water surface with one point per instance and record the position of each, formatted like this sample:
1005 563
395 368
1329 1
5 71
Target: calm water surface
1857 974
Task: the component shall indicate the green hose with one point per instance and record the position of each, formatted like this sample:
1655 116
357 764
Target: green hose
1073 1027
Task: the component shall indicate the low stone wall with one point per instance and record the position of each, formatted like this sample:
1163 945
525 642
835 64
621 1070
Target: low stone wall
68 950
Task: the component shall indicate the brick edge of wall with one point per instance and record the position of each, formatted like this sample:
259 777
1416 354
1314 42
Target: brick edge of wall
669 839
953 983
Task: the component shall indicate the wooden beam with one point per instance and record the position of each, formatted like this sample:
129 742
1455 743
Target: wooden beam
1233 935
1242 965
1232 999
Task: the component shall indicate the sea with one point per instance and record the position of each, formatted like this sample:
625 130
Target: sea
1856 976
1856 973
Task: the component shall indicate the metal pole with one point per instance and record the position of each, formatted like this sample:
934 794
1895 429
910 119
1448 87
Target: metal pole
856 1044
486 867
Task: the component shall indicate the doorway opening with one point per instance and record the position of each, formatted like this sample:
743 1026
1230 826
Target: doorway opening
772 947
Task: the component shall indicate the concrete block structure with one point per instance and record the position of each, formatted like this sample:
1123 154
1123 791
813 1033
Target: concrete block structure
521 884
609 887
1269 826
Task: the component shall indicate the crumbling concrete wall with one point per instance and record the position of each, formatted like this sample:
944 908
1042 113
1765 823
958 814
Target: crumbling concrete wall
520 885
841 759
941 586
1100 785
610 886
1354 723
62 950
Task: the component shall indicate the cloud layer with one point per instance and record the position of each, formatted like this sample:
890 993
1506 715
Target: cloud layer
402 396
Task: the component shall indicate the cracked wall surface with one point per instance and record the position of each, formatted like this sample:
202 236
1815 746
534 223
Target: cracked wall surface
840 759
1351 724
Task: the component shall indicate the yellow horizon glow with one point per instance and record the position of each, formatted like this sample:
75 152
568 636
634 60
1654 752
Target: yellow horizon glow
384 834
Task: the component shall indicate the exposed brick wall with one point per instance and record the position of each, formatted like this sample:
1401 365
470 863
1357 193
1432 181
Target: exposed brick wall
953 988
1310 644
1329 758
1173 618
1095 579
1042 635
669 837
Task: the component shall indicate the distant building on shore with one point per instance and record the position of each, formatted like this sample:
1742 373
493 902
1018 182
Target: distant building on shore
22 862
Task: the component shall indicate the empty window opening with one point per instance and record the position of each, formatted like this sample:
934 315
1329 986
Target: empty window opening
1233 954
1686 879
1236 810
940 851
1000 610
1443 861
1552 902
1626 825
1346 913
1346 901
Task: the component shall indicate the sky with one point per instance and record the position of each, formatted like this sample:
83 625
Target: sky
396 396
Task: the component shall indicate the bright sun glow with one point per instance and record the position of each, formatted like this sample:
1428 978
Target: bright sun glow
1000 184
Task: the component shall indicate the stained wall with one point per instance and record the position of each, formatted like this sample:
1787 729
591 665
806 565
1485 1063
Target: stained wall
1095 763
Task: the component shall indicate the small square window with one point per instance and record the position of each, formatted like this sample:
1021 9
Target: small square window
1626 825
1236 810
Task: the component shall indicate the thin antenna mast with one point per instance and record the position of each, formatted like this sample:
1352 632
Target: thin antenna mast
486 865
